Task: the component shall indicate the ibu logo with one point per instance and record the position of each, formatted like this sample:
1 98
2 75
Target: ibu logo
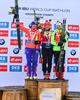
4 24
14 33
73 36
73 69
15 68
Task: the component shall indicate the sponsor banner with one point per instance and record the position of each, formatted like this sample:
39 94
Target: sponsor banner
15 68
14 33
72 69
4 33
73 44
3 50
3 68
73 36
15 42
3 59
15 59
4 24
73 61
13 25
54 69
50 93
73 27
2 41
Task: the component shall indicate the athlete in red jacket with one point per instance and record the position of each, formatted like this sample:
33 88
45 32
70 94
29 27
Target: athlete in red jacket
34 38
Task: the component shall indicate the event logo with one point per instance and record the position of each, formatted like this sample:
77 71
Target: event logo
15 59
73 27
73 60
4 33
13 25
14 33
72 69
73 44
15 68
3 50
2 41
3 68
73 36
4 24
16 51
73 52
3 59
15 42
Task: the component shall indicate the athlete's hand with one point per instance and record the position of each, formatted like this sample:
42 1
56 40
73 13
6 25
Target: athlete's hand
37 42
60 44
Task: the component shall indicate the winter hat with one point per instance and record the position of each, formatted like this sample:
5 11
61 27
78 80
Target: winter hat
47 22
34 23
58 23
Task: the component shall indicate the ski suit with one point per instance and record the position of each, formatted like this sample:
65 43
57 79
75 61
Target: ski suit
47 49
56 49
32 36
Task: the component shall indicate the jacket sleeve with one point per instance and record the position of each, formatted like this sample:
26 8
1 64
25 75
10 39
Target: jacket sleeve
39 36
24 29
53 39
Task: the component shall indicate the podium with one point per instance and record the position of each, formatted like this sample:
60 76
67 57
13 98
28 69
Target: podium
36 87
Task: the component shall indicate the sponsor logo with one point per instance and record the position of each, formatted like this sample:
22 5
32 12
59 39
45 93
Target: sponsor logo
73 36
73 60
15 42
15 68
15 59
73 44
73 27
4 24
2 41
3 50
13 25
3 68
16 51
73 52
4 33
72 69
3 59
54 69
14 33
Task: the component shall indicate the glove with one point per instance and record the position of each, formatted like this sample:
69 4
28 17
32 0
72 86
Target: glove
37 42
60 44
64 40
